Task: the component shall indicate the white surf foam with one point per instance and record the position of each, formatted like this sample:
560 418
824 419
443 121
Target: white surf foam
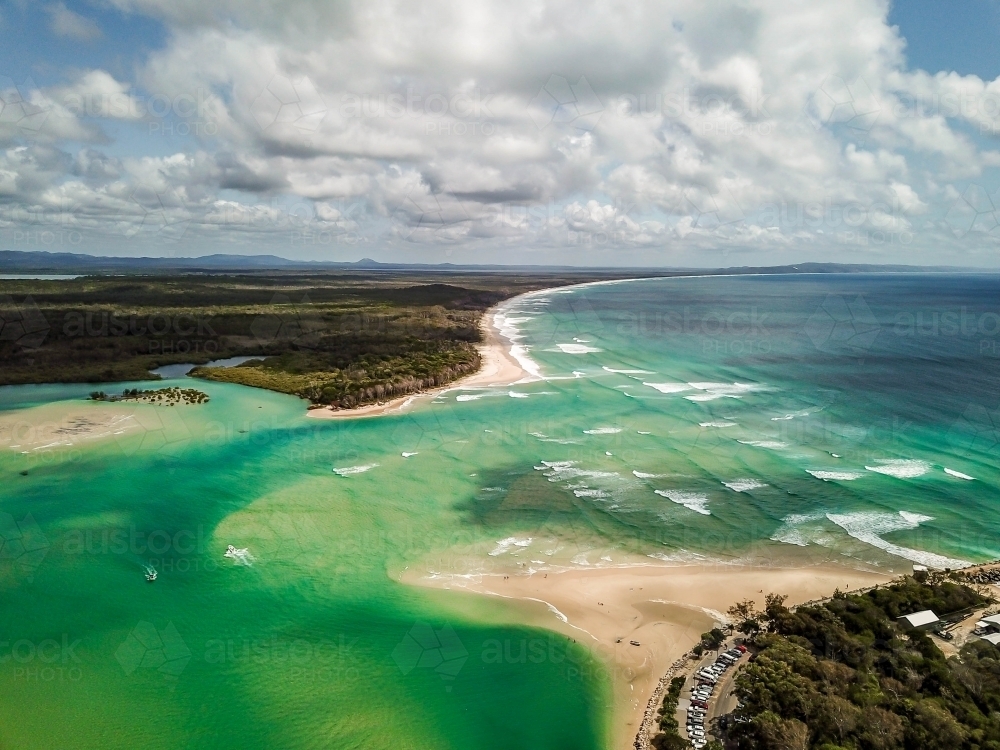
713 391
577 349
603 431
588 492
868 526
793 415
795 530
467 397
507 324
730 388
546 439
407 455
744 485
505 545
559 471
351 470
836 476
901 468
772 444
717 424
628 372
644 475
691 500
958 474
517 394
669 387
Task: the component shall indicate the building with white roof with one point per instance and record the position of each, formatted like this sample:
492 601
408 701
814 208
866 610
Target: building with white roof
991 624
923 620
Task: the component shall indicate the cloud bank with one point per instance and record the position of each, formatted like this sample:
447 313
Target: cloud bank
603 133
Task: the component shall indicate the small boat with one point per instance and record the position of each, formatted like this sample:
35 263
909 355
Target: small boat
151 574
239 556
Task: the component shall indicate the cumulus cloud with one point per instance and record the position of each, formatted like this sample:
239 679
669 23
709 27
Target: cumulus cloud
586 131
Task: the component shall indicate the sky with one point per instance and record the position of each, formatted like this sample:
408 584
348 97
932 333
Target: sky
698 133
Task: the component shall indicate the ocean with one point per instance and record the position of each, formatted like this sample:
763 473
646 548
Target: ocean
746 419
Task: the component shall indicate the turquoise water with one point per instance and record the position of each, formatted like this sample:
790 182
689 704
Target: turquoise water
678 420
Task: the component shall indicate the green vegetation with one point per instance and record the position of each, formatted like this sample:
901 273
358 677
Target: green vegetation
333 338
710 641
161 396
847 675
668 738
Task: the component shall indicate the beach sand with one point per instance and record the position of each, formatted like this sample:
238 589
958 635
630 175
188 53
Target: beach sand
63 424
664 609
498 368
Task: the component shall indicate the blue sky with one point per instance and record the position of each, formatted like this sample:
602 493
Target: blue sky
31 48
963 36
716 133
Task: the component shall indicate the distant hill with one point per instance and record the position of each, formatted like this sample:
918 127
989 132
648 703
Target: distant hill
16 261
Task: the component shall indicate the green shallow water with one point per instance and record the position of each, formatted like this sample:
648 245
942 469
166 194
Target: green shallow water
759 386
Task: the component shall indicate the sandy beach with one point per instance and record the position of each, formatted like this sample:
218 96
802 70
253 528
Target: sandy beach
498 368
64 424
664 609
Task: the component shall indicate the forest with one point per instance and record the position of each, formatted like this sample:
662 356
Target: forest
342 339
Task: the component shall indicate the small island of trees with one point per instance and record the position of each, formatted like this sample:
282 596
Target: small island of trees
161 396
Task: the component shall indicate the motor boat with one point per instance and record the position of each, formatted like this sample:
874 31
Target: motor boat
151 574
240 556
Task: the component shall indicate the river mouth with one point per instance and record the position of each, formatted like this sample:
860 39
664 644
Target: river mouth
169 372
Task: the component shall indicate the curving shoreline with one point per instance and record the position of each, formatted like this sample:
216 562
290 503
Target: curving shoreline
497 368
665 609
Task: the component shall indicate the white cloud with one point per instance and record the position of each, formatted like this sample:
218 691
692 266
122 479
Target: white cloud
513 131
